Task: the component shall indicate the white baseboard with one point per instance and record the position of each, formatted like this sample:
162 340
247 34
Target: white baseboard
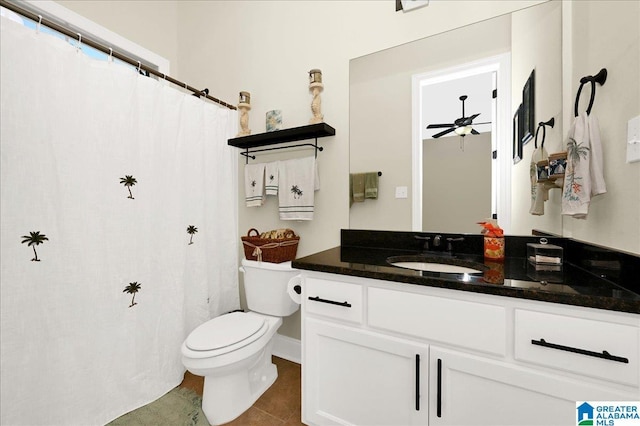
287 348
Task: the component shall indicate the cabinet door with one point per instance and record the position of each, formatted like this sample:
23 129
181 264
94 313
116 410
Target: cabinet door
469 390
354 377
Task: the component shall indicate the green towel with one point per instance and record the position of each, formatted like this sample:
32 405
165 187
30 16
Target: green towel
357 187
371 185
362 186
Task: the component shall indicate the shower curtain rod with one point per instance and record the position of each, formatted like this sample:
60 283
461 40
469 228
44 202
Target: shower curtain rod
77 36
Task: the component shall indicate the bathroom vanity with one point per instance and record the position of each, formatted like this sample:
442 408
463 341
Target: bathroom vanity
392 346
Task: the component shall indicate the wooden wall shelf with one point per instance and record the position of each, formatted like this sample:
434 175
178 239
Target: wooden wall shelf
311 131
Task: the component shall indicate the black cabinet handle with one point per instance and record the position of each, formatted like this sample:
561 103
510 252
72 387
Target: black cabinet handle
417 382
439 394
604 354
331 302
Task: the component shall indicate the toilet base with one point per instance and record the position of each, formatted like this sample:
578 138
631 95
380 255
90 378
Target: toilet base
226 397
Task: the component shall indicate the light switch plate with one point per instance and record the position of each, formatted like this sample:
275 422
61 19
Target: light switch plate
401 192
633 140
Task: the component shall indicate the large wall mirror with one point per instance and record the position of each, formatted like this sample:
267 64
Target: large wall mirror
562 42
396 93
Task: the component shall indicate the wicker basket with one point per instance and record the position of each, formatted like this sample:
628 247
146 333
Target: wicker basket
272 250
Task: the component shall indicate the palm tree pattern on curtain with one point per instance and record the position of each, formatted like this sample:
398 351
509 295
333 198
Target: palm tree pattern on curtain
132 288
128 181
575 152
191 230
34 239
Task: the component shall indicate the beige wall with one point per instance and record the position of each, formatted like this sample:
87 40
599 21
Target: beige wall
606 34
151 24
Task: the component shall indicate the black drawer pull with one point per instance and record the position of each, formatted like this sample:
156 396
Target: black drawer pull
439 390
417 382
603 355
331 302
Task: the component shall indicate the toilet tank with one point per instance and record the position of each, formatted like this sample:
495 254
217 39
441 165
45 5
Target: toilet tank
265 286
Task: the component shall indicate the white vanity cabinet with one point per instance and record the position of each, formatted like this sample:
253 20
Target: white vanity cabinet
353 376
363 378
470 390
385 353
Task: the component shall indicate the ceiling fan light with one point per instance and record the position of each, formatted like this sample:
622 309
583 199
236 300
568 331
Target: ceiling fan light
463 130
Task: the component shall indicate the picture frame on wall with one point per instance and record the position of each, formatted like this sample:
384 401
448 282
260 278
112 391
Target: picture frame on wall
528 118
517 136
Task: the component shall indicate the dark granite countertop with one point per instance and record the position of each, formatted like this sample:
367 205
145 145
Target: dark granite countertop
605 281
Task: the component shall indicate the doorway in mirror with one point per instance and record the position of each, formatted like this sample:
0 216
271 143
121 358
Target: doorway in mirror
454 166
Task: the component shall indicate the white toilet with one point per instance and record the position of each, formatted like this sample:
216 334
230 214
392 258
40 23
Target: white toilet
233 351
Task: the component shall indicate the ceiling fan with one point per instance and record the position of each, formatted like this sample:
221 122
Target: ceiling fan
462 126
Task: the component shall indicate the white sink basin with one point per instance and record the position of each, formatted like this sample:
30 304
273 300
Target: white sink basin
436 267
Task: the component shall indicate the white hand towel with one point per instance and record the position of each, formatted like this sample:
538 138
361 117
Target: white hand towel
271 178
254 184
583 176
537 193
297 183
598 185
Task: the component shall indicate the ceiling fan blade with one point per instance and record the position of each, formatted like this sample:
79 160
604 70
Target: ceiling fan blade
474 132
437 135
438 126
469 120
486 122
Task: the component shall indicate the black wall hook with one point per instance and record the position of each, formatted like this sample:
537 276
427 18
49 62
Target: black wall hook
543 124
599 78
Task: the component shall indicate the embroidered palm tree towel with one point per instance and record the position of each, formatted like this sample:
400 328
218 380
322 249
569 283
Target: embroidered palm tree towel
271 178
298 180
584 177
254 184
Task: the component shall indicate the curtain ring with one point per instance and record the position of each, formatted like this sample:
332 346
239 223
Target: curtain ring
79 42
39 23
110 55
139 65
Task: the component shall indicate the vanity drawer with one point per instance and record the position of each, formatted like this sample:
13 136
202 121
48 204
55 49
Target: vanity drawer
471 325
333 299
599 349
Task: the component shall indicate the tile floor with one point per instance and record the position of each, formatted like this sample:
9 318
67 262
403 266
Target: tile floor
278 406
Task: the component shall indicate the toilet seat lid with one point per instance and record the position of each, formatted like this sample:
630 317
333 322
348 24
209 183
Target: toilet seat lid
224 331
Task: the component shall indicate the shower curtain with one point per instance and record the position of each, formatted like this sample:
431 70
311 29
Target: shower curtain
118 231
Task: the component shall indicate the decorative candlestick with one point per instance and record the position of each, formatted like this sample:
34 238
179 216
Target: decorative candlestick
316 86
244 105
